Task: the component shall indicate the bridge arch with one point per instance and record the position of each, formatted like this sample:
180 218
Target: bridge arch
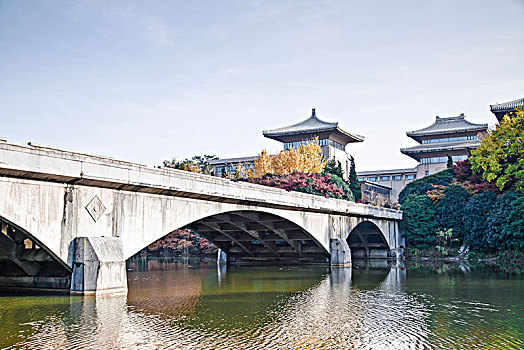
367 240
27 262
249 236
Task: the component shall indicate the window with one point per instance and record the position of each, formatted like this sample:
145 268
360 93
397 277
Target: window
384 178
372 178
361 179
410 177
397 177
427 172
434 160
449 139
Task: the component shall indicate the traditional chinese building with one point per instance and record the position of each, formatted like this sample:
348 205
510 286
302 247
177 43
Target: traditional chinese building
454 136
331 137
501 109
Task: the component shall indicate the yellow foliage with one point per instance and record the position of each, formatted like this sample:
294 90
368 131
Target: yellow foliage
262 166
306 158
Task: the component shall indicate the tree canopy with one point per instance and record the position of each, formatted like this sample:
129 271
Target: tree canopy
500 157
197 164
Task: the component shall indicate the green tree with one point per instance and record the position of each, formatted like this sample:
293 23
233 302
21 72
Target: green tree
353 180
197 164
513 231
502 219
449 164
476 212
450 208
334 167
500 157
419 224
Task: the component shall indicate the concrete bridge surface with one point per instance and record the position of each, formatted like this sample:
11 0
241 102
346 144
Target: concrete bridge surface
70 220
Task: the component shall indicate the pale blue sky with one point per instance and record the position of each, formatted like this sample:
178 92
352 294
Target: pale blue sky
151 80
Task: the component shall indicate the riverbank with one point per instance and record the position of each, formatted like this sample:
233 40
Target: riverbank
509 258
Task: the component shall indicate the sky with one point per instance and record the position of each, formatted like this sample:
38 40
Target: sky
146 81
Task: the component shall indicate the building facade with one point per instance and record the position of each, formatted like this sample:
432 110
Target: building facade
394 179
453 136
331 138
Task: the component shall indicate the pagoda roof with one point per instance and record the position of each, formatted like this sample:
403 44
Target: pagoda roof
501 109
420 151
444 126
507 105
312 125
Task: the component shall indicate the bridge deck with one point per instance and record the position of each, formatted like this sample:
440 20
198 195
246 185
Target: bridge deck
55 165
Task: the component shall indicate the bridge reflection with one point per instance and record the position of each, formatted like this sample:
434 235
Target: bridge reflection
210 306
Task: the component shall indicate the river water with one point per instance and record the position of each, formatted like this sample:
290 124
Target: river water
374 305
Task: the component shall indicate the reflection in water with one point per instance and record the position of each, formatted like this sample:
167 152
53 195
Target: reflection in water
375 305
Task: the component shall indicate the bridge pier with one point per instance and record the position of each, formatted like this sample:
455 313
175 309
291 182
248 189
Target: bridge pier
221 257
340 252
99 266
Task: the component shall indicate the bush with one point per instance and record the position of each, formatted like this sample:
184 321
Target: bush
513 231
419 223
330 186
476 212
450 210
503 220
421 186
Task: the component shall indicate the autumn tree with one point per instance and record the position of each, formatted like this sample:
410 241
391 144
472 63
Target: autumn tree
500 157
307 158
262 165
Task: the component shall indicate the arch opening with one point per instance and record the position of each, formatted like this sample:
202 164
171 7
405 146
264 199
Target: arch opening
26 263
366 240
253 237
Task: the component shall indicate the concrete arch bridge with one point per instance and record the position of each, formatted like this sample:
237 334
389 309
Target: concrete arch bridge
70 220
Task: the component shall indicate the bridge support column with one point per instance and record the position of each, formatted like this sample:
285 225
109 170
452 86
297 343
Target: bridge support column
221 257
98 266
340 252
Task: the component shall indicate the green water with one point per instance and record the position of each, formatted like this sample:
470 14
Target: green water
374 305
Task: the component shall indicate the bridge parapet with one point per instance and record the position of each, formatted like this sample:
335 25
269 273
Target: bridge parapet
50 164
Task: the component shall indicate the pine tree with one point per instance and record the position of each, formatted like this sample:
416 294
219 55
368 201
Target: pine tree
353 181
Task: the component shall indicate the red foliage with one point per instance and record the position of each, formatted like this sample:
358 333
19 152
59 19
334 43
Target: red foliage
310 182
474 183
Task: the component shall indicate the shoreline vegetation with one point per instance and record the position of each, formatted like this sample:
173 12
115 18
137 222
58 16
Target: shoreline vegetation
474 209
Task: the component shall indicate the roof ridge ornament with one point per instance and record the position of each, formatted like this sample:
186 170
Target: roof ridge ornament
313 113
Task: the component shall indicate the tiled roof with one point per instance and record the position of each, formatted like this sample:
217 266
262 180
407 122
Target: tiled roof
507 105
309 126
447 126
441 146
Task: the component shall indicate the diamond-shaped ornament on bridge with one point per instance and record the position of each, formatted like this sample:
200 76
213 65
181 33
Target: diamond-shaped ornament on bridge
95 208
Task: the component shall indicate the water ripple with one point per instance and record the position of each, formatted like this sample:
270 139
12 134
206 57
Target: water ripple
305 311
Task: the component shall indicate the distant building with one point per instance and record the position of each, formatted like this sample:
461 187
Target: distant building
331 137
394 179
452 136
501 109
